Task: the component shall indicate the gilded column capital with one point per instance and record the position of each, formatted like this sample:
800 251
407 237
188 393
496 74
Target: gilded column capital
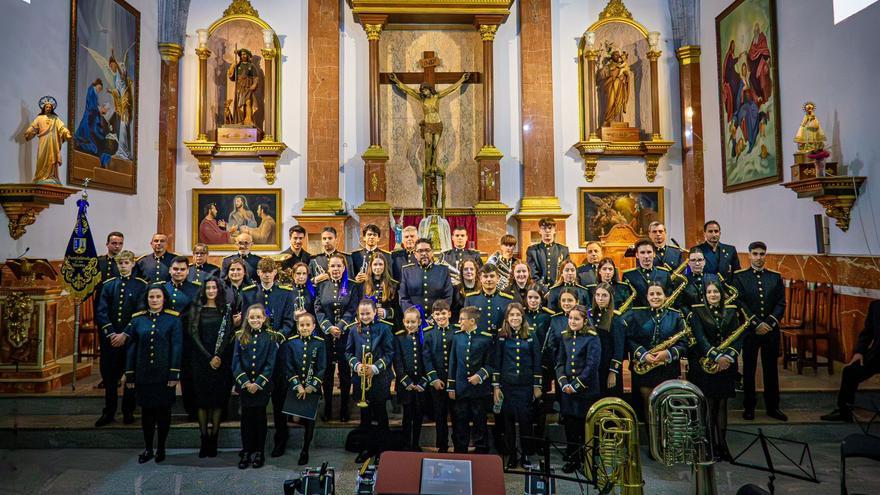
487 31
374 31
203 53
268 53
688 54
170 52
653 55
592 55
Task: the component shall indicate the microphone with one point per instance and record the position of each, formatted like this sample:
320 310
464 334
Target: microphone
26 250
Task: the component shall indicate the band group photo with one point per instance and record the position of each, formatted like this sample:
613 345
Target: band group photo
443 336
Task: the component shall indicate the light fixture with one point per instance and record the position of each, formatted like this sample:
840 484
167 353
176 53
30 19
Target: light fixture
654 40
268 39
591 40
203 38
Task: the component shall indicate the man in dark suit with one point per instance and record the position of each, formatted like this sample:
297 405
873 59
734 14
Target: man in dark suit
244 242
460 250
424 282
154 267
297 252
405 254
545 257
361 258
762 295
664 254
107 262
720 258
864 364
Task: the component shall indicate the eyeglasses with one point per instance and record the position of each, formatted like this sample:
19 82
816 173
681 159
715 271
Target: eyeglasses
424 250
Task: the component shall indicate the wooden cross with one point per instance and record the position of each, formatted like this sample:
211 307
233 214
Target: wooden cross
429 62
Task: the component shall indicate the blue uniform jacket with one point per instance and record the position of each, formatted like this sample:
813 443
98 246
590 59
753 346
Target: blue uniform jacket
251 261
305 361
155 349
712 325
255 361
409 360
455 256
182 295
278 301
639 279
153 269
492 308
423 286
199 273
762 295
668 256
518 361
544 260
472 353
119 299
377 339
400 258
318 263
552 297
359 256
335 307
646 328
721 260
435 352
616 335
577 362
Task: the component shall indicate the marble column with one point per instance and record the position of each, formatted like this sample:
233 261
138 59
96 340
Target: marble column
539 179
693 187
168 128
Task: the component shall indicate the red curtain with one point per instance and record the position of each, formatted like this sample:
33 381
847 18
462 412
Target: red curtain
469 222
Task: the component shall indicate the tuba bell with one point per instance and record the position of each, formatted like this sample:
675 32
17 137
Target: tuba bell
614 461
679 431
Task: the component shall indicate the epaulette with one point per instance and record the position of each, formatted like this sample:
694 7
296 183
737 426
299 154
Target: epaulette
384 251
284 287
239 332
700 305
456 325
731 306
395 281
487 334
249 287
769 270
743 270
459 331
138 313
386 322
109 279
579 285
590 285
427 329
673 309
663 268
630 270
474 293
141 257
231 256
350 325
191 264
318 337
407 265
277 335
292 337
172 312
400 332
343 253
560 312
641 307
592 332
548 310
557 284
505 295
196 282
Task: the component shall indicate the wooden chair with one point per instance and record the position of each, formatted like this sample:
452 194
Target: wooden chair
793 322
88 330
821 327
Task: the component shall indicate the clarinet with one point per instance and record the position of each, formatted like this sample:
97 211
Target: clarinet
222 332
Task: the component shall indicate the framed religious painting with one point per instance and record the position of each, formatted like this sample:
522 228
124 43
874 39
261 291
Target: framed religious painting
600 209
103 94
219 215
748 88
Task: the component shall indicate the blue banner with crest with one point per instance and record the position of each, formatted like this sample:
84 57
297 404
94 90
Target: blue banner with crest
80 267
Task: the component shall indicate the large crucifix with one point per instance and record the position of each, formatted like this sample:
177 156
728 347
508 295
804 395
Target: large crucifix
431 127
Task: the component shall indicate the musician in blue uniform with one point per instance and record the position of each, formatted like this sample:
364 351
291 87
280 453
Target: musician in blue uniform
154 267
610 327
522 282
253 363
278 301
370 355
664 254
720 258
436 348
695 291
577 370
623 293
647 328
460 250
336 302
762 295
305 360
244 241
517 382
567 280
424 282
491 302
538 317
412 379
320 262
153 367
120 298
588 271
107 262
545 257
647 273
302 293
298 254
558 323
200 270
361 258
471 364
181 293
406 253
712 323
380 287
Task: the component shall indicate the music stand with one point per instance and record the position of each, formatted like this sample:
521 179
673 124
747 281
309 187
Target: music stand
806 472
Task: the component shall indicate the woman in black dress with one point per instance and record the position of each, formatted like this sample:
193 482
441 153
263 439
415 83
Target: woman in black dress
153 366
711 324
212 330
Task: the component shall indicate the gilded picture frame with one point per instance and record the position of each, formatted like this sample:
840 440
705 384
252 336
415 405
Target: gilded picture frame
103 93
237 210
600 208
748 94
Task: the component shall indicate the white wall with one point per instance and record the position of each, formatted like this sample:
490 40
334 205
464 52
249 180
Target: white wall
35 59
834 66
570 19
289 19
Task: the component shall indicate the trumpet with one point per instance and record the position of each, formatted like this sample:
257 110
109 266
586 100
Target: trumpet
366 381
708 363
613 429
678 423
643 367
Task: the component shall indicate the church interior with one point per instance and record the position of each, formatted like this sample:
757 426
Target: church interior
730 140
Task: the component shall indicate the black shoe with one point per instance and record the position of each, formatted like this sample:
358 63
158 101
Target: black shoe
777 414
203 448
104 420
362 457
128 418
259 460
723 453
245 461
839 415
512 462
145 456
160 455
278 450
749 414
242 453
212 445
303 458
327 416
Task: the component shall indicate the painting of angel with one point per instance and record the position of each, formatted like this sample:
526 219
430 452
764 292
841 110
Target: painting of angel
104 69
602 208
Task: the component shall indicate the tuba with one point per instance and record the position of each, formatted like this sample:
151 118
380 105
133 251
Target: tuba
614 461
679 431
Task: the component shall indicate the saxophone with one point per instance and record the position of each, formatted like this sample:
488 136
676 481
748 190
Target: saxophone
642 367
678 290
614 461
709 364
